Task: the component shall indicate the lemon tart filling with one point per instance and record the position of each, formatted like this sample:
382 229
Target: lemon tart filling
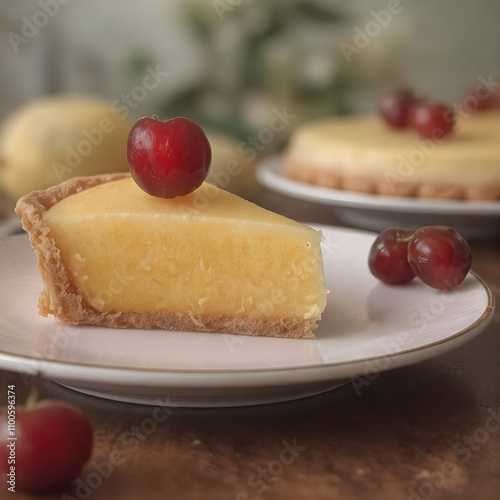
206 261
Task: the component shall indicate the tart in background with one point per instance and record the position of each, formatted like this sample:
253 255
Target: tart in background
361 153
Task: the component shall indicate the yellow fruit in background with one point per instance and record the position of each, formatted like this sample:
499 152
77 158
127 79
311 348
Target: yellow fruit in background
231 169
52 139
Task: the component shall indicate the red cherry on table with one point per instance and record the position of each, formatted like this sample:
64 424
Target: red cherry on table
396 107
388 258
168 159
439 256
434 121
54 440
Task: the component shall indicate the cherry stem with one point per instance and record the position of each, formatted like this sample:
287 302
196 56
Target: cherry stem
404 239
155 116
33 391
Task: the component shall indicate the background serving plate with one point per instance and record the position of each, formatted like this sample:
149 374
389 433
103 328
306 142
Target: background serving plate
367 327
472 219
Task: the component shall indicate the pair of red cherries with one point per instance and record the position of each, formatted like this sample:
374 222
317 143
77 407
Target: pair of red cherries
402 109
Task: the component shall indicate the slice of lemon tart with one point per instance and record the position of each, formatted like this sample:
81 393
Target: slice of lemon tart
112 255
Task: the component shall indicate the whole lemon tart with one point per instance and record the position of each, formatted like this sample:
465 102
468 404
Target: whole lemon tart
112 255
361 153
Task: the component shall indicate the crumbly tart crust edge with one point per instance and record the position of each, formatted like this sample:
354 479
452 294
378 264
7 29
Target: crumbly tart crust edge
332 178
62 299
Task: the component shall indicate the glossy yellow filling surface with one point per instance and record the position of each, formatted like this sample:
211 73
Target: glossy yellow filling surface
207 253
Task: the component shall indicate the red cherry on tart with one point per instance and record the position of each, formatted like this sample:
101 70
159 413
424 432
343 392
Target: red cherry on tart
434 121
54 440
170 158
396 107
439 256
388 258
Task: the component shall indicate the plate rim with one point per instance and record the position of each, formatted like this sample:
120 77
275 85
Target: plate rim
269 170
57 365
481 322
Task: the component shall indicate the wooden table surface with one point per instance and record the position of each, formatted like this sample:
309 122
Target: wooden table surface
430 430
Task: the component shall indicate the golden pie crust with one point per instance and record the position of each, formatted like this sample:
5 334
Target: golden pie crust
62 298
377 185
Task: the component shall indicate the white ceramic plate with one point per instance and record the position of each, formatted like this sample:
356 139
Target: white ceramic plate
367 327
376 212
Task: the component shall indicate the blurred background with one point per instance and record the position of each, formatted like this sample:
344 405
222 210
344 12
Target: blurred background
231 64
228 62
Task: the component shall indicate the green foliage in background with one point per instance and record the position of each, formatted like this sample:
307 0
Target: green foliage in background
262 54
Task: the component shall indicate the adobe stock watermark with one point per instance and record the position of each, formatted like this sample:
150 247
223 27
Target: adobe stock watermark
266 476
464 449
218 180
419 320
364 36
128 442
427 314
473 442
279 296
116 284
255 144
93 138
127 101
425 147
31 27
248 149
89 140
59 338
373 368
224 6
